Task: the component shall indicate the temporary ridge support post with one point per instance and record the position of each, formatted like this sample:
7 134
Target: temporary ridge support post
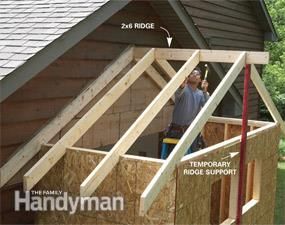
243 145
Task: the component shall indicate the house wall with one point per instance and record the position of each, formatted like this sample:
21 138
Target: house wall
230 25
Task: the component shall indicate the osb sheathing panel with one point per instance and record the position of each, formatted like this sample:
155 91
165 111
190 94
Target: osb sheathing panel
194 192
190 201
213 133
128 179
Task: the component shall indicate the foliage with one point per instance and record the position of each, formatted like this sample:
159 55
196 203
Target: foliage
274 72
279 217
282 147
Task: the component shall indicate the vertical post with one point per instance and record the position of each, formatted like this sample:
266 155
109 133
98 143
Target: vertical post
243 145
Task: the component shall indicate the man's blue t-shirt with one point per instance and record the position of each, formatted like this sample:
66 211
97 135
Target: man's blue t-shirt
188 103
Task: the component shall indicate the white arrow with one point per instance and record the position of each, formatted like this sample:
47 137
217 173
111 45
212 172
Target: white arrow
232 154
169 38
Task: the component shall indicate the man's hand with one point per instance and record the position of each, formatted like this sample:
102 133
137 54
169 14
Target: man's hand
204 85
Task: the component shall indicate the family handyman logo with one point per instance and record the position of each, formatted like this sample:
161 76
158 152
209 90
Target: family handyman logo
60 201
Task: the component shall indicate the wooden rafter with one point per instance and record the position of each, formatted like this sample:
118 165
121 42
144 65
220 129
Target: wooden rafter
161 177
166 67
90 184
72 136
255 77
31 148
156 77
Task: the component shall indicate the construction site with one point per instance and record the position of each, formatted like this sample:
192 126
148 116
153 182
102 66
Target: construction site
83 116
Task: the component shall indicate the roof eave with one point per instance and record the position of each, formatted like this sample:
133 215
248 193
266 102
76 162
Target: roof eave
43 58
270 33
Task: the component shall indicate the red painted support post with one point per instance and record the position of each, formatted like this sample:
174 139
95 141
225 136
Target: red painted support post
243 145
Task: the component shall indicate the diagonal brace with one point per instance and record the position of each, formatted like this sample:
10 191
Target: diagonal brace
255 77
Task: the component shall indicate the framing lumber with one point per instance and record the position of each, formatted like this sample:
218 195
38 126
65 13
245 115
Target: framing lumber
199 154
249 181
157 78
226 131
161 177
255 77
94 179
235 121
222 56
31 148
257 179
72 136
166 68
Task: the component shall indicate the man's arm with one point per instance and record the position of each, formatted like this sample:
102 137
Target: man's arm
206 94
181 89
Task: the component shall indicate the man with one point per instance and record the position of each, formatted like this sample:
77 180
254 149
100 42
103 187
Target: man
189 100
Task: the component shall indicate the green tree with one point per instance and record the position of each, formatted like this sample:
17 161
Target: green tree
274 72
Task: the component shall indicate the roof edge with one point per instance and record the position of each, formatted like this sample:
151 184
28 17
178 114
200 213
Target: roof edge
262 13
10 83
273 35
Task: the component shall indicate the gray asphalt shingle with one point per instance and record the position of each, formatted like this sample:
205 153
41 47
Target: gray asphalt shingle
28 26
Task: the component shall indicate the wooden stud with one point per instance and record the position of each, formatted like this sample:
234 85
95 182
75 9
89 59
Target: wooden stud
249 181
178 152
233 196
222 56
226 132
257 179
255 77
29 150
90 184
72 136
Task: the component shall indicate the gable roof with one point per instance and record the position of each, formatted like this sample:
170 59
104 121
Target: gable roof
33 33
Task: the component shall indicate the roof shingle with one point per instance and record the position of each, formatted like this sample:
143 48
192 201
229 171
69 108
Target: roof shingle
27 26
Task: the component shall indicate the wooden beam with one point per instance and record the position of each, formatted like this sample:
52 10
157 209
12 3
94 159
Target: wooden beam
101 152
161 177
233 196
72 136
226 131
236 121
31 148
249 181
222 56
257 179
157 78
235 140
94 179
166 68
264 94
